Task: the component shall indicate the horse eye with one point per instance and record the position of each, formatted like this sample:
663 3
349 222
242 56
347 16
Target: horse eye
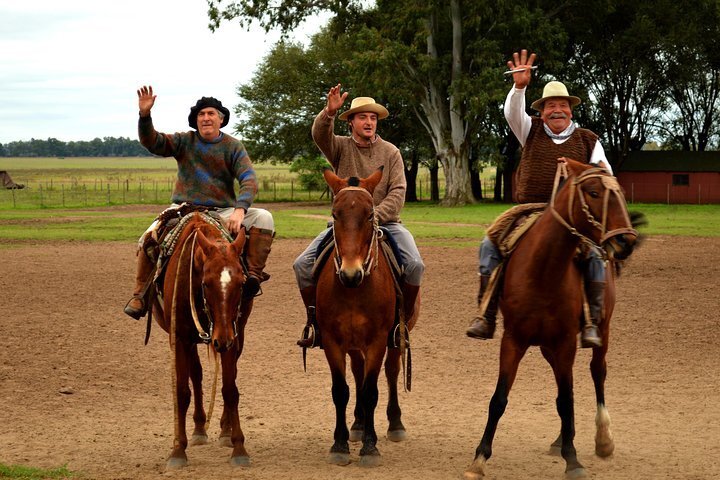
593 193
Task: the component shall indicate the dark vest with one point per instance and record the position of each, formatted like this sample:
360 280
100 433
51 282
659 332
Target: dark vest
536 171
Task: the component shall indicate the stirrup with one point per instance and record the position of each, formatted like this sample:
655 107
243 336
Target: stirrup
135 313
309 337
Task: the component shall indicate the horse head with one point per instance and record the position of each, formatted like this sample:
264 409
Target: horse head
355 225
222 279
595 208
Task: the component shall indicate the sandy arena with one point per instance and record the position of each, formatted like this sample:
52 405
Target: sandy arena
78 387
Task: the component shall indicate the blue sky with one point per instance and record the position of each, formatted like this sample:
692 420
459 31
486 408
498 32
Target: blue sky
70 69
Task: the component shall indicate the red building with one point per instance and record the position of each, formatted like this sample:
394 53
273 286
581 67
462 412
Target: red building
671 177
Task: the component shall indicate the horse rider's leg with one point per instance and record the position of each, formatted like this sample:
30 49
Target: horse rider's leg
369 454
483 326
261 231
340 450
231 399
138 306
396 429
303 267
510 355
413 267
562 369
604 444
357 365
178 457
199 436
594 280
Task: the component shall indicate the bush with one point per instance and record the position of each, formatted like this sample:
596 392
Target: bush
309 172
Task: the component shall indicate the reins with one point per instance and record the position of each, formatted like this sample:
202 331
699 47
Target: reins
611 187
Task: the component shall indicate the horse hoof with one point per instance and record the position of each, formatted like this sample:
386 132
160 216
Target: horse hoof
174 463
337 458
240 461
575 473
476 470
198 439
604 450
396 435
225 441
355 435
370 461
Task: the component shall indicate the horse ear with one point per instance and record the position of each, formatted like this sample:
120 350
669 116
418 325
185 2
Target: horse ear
574 167
334 182
205 246
371 182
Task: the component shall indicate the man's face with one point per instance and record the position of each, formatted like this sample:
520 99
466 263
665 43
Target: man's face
364 125
556 113
208 122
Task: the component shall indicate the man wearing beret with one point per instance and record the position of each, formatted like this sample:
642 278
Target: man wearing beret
359 155
544 139
209 162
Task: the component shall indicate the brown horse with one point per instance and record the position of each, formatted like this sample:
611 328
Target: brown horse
356 304
542 302
203 303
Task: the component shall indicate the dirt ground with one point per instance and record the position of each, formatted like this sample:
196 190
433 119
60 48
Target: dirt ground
78 387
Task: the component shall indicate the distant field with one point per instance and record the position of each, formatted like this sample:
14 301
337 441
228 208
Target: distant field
88 182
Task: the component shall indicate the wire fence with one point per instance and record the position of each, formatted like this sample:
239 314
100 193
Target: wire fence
77 194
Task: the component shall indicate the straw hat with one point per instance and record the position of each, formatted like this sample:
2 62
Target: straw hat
555 90
365 104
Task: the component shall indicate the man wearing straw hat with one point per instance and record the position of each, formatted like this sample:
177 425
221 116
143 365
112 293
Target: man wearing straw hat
544 139
359 155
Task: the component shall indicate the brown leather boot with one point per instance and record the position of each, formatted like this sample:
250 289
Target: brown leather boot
590 336
310 336
258 249
484 327
137 307
410 293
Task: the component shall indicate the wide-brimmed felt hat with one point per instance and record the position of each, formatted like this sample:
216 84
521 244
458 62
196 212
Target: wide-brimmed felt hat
555 90
365 104
206 102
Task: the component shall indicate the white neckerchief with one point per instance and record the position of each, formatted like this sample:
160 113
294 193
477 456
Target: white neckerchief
564 135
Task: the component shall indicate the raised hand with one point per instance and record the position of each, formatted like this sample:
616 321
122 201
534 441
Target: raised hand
522 61
146 100
335 100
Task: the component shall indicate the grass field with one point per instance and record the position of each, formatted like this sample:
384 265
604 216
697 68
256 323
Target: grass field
62 197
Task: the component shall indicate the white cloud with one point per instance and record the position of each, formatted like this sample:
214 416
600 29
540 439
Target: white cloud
70 69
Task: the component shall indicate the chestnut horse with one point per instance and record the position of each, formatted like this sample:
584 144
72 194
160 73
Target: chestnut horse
356 304
542 301
203 303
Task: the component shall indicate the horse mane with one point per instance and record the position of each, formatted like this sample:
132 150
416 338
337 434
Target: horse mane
353 182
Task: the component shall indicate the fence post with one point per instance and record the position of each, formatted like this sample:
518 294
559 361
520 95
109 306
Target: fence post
41 196
13 194
274 191
108 193
156 191
63 194
85 193
292 189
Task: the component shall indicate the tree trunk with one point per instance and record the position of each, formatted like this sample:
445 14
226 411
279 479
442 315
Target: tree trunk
434 183
457 179
411 177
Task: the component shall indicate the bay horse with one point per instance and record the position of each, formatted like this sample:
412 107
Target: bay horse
202 302
355 311
542 301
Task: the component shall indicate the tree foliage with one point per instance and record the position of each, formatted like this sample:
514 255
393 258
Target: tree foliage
52 147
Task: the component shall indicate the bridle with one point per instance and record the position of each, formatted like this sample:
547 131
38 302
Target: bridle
612 187
371 258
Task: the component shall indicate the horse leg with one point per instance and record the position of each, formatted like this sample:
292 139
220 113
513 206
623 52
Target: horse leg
396 429
357 365
199 436
562 368
510 355
231 398
556 446
340 451
178 457
369 454
225 438
604 444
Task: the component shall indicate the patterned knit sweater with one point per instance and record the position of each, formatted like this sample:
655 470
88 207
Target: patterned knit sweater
538 164
206 170
349 159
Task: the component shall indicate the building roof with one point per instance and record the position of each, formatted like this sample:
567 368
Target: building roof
672 161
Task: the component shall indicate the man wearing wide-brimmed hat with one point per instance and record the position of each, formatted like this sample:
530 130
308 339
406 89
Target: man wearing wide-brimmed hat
209 161
359 155
544 139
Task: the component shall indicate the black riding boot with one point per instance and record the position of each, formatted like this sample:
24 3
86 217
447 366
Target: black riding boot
484 327
590 336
